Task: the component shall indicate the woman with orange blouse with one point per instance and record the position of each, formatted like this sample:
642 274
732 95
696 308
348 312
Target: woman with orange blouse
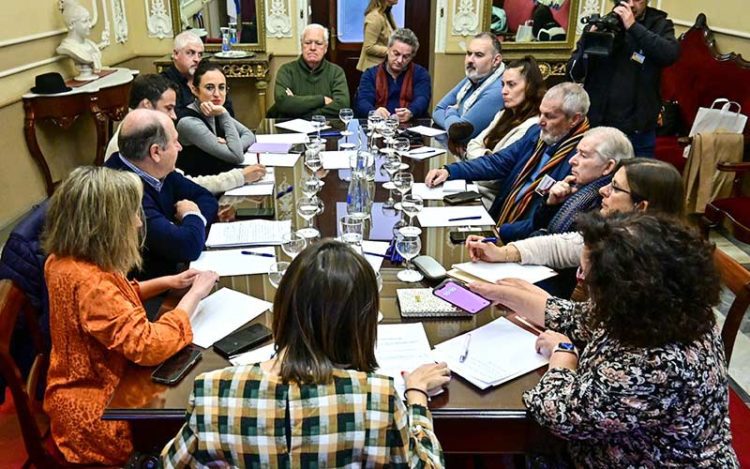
97 321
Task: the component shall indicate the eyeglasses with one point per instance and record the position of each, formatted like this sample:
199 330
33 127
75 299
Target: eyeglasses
618 190
210 88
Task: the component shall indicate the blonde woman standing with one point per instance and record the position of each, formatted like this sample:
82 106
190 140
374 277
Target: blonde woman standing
379 24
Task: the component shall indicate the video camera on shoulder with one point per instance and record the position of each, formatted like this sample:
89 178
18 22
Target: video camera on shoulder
608 28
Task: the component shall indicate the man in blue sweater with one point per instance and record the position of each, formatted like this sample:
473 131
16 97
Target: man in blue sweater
397 86
469 107
545 150
177 211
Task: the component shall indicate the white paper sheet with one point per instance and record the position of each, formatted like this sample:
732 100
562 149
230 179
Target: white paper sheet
335 159
420 189
444 216
498 352
285 160
247 233
427 131
263 186
253 356
300 125
423 153
494 271
401 347
223 312
376 247
282 138
229 262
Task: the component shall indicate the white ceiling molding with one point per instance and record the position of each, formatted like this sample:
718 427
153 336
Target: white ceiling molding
158 19
278 22
465 18
120 20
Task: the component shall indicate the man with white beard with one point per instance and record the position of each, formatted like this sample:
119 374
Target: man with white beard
470 107
545 150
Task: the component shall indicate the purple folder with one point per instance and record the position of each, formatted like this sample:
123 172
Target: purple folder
269 147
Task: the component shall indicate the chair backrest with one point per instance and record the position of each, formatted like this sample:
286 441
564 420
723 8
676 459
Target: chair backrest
737 279
12 303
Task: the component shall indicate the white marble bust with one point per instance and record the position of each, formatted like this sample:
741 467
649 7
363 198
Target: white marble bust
76 45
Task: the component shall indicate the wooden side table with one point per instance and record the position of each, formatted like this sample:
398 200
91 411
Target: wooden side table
254 68
106 99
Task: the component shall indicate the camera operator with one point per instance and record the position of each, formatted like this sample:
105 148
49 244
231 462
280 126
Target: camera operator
623 82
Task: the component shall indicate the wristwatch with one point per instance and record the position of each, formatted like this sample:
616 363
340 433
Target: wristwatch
566 347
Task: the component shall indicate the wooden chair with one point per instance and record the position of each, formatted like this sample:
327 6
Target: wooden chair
737 279
735 208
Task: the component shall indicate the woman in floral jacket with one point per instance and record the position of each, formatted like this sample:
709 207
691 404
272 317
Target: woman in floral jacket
649 388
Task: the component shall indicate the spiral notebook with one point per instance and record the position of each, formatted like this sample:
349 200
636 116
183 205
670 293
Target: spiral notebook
421 303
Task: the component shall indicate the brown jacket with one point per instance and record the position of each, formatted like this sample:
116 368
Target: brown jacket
375 44
98 325
703 182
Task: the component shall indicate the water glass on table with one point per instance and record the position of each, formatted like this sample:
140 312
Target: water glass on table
346 115
408 247
293 243
402 182
411 205
352 231
307 208
276 272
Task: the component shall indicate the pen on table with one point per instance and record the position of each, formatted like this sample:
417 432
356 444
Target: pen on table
420 151
465 353
284 192
475 217
491 239
260 254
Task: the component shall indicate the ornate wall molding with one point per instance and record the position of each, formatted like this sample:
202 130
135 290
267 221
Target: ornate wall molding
278 21
303 15
441 26
120 20
158 19
586 8
466 18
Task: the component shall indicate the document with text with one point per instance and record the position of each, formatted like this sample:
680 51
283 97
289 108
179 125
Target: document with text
247 233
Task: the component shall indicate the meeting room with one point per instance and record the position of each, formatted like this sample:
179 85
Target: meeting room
377 233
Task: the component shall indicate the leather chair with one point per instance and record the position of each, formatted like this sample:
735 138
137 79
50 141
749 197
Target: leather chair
734 209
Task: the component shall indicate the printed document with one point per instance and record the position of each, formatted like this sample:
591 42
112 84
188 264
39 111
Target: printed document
229 262
223 312
247 233
282 138
401 347
300 125
471 215
494 271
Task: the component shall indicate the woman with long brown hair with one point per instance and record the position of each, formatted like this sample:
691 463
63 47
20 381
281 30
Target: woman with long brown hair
523 90
379 24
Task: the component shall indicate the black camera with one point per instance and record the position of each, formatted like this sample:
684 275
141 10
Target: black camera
609 27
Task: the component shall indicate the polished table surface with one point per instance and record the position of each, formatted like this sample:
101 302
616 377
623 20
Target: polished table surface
466 419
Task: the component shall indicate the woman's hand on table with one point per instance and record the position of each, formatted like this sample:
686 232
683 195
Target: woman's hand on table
253 173
183 279
428 378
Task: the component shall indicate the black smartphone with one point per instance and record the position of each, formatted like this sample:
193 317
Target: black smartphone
459 237
242 340
460 296
175 367
462 197
255 212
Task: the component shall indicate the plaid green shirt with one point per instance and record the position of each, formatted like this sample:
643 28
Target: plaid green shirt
237 418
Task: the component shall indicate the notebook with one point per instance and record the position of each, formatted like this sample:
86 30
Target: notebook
421 303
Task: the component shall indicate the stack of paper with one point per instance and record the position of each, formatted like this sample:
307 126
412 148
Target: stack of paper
422 153
253 356
223 312
286 160
472 215
420 189
282 138
229 262
269 147
401 347
248 233
427 131
497 352
300 125
263 186
335 159
494 271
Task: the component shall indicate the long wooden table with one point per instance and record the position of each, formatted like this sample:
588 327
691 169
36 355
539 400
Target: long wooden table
467 420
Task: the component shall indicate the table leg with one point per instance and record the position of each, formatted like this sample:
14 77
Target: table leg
29 131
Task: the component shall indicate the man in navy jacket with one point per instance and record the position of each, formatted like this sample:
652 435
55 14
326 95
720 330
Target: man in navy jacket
177 210
545 149
397 86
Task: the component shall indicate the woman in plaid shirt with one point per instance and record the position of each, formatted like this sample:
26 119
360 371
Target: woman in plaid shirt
317 402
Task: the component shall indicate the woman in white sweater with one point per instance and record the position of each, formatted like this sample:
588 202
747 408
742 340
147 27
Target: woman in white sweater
523 89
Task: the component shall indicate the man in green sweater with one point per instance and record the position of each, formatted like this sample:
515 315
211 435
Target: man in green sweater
311 84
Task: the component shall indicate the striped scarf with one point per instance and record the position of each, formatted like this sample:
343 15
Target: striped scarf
513 210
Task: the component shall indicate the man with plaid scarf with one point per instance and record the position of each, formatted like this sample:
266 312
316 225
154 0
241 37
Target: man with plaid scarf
545 150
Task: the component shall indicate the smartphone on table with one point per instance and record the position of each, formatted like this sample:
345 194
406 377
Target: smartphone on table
177 366
460 296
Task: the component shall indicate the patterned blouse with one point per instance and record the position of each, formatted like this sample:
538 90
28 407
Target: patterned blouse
237 417
635 407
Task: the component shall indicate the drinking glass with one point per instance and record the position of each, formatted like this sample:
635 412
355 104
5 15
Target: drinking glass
374 121
390 125
276 272
313 162
293 243
408 247
318 121
402 145
402 182
391 166
311 186
346 115
411 205
352 231
307 208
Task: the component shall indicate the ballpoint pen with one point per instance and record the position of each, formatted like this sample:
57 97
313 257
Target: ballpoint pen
376 254
467 342
420 151
284 192
475 217
260 254
491 239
